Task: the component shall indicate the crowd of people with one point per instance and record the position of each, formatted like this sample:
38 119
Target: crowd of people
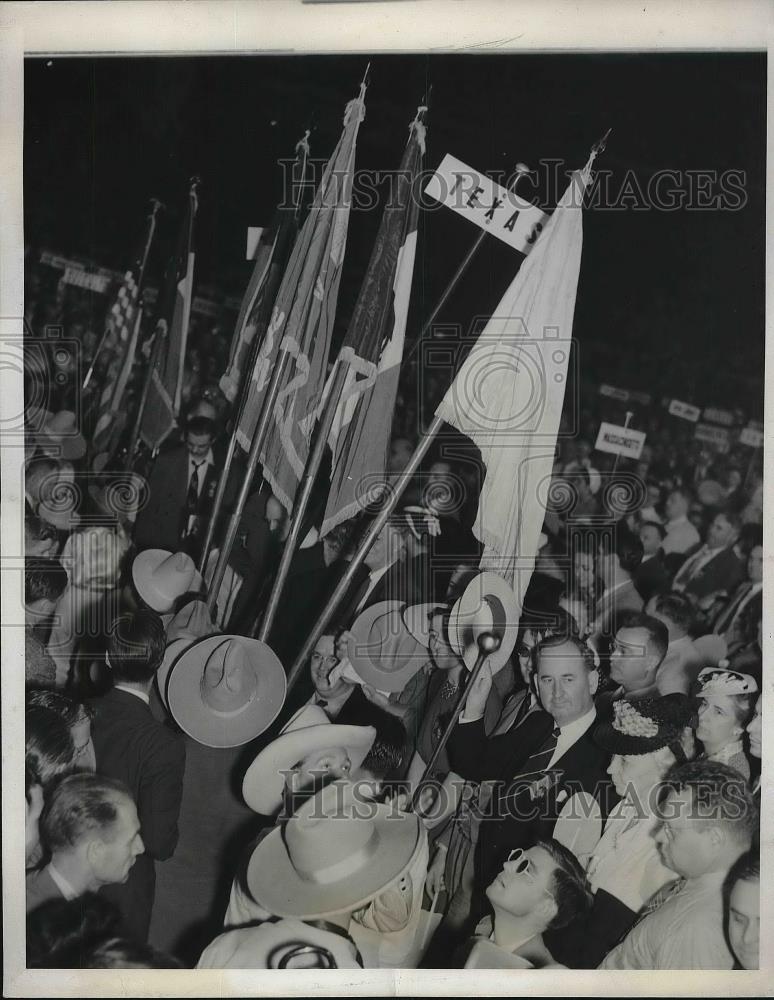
595 806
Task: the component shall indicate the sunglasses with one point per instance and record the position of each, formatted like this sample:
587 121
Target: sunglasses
522 862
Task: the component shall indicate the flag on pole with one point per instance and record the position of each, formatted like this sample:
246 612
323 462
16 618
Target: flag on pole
373 347
302 322
163 404
271 257
507 397
123 326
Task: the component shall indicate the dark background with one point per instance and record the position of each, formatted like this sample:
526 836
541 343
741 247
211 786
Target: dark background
668 301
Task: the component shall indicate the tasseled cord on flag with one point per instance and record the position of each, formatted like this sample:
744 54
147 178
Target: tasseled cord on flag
584 174
358 103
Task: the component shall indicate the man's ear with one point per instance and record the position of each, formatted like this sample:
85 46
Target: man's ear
93 852
593 681
547 909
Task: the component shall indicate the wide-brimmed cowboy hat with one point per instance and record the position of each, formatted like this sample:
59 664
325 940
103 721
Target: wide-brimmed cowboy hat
644 726
382 650
60 436
161 577
309 730
488 604
225 690
334 855
417 619
191 623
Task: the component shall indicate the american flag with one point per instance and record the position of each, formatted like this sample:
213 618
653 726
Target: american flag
123 326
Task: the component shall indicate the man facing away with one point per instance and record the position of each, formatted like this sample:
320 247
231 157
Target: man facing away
132 746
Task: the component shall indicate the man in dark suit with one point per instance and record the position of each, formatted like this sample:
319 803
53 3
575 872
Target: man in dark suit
714 570
90 826
737 619
181 490
651 576
541 764
147 756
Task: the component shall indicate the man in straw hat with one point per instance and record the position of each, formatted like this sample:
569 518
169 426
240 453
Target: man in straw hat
331 859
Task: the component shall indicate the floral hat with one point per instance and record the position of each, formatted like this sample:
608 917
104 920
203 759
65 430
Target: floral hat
646 725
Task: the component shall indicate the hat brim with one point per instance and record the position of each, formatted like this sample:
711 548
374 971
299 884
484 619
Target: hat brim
200 722
191 623
368 669
505 608
264 781
277 887
144 566
609 738
416 620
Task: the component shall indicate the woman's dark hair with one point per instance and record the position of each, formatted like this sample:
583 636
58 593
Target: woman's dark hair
59 931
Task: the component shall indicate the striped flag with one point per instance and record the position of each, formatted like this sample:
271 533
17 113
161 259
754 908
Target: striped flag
373 347
508 395
271 258
301 325
123 327
163 404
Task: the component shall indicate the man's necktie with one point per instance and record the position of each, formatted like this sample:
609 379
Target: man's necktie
193 487
686 571
660 897
538 760
726 618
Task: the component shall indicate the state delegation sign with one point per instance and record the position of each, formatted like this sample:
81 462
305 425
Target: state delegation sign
684 410
620 440
486 204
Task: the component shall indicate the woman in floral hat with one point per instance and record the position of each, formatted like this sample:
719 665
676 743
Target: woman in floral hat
726 702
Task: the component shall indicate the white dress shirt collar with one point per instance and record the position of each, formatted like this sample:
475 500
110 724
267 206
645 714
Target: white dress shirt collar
571 733
142 695
63 885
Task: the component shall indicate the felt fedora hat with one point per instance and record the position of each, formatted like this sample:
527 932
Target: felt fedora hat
225 690
161 577
488 604
310 730
382 650
60 436
644 726
334 855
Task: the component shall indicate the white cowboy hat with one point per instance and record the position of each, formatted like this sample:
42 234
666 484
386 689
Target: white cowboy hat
191 623
487 605
225 690
60 435
382 650
309 730
161 577
334 855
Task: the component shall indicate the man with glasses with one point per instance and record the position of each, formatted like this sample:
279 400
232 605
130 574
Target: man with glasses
639 646
539 889
707 821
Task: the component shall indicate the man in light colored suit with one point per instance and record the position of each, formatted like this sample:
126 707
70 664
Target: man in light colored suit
617 560
683 661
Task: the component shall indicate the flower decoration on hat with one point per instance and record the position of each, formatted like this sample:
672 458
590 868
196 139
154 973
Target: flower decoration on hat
726 682
630 722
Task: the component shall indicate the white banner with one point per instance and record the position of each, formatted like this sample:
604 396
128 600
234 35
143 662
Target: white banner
613 393
486 204
684 410
723 417
643 398
718 437
752 437
620 440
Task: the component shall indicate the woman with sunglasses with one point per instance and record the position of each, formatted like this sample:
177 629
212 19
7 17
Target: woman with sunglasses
726 702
